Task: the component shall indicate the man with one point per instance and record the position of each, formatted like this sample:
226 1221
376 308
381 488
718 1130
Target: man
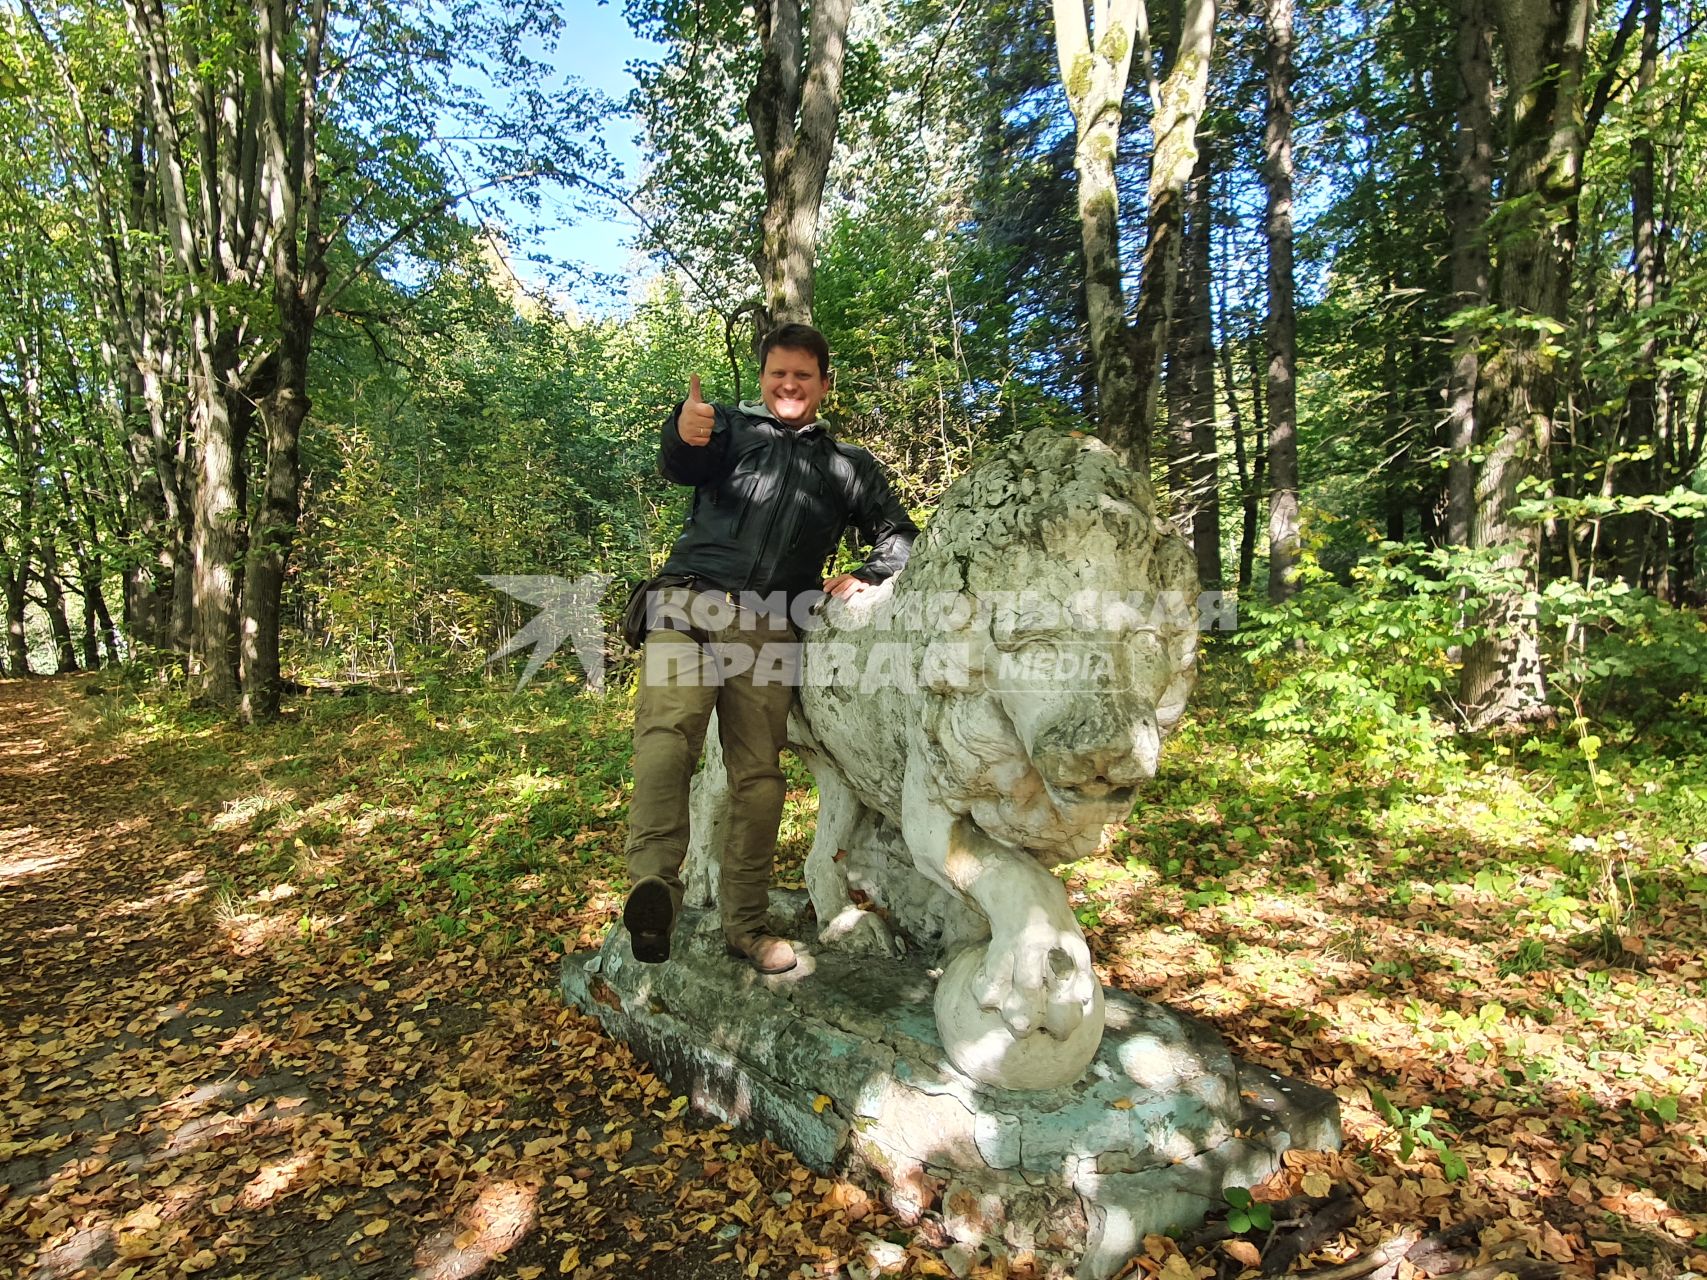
773 493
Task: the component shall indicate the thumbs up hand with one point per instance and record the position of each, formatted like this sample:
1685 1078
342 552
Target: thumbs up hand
697 417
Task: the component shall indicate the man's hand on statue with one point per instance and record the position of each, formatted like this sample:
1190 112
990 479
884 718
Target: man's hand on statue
844 586
697 417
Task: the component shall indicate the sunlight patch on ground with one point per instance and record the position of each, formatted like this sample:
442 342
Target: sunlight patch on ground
500 1216
278 1178
19 868
248 933
246 809
192 884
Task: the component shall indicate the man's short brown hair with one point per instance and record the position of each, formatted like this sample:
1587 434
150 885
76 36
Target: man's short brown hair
796 337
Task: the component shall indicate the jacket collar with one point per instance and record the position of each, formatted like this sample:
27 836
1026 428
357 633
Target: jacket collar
758 409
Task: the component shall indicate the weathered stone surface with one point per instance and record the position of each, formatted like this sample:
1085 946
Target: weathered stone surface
841 1061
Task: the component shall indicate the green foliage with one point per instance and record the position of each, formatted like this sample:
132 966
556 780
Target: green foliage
1246 1214
510 444
1415 1128
1363 667
1618 649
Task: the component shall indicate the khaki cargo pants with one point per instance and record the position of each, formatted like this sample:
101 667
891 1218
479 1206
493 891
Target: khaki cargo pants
748 671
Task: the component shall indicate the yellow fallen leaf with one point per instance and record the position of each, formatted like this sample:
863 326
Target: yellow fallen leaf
820 1102
1315 1183
201 1260
467 1238
529 1273
571 1259
378 1227
1122 1104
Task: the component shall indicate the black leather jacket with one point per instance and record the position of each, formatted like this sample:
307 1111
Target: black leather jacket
770 503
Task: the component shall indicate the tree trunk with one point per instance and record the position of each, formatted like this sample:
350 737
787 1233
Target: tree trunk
1282 322
53 592
282 415
91 641
16 582
1397 457
1259 463
1467 215
1200 361
1637 536
1128 356
1095 81
216 545
299 275
1177 400
155 518
1249 485
1503 681
94 599
794 107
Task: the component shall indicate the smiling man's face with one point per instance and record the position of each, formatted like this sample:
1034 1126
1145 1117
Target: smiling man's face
793 386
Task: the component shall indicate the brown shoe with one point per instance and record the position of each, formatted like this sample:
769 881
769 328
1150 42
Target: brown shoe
768 954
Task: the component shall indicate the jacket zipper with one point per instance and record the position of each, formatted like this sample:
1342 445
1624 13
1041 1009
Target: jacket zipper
770 516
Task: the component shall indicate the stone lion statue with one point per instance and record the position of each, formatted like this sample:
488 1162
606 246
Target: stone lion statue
983 716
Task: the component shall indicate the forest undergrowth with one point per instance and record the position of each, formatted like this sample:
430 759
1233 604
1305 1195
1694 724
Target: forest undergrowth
1491 951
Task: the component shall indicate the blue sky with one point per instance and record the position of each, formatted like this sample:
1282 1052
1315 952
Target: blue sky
596 47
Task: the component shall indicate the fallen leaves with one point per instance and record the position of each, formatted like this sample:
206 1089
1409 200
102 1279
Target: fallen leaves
345 1047
183 1101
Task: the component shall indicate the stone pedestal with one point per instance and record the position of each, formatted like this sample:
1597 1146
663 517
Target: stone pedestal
840 1061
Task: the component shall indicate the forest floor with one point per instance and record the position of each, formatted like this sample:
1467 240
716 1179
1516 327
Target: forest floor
283 1002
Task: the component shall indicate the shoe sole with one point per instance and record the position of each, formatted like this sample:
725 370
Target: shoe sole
648 915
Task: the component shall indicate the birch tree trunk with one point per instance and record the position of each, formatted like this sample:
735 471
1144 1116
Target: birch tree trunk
1095 81
794 108
1503 681
1282 322
1095 56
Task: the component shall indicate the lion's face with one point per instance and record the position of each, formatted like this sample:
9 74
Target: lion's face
1073 691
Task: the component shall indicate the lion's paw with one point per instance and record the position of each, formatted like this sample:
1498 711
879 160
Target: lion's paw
981 1040
861 932
1038 979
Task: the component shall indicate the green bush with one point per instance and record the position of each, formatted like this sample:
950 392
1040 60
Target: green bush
1365 667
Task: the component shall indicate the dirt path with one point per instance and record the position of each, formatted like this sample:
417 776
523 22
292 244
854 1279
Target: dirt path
190 1084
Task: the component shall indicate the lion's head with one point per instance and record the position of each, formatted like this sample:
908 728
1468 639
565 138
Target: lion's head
1078 636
